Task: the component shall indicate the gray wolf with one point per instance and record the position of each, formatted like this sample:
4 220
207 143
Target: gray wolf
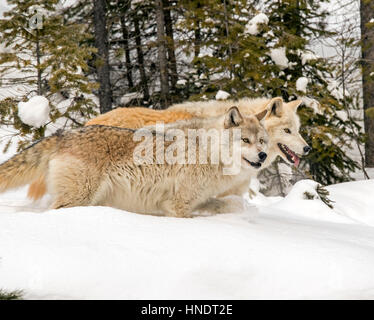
95 166
282 124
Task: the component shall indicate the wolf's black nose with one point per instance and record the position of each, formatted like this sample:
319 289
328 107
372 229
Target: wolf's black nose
262 156
307 149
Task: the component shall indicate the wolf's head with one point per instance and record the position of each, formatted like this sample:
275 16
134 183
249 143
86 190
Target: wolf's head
282 124
253 138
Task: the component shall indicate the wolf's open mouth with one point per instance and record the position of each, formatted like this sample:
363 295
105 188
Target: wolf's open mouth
253 164
290 155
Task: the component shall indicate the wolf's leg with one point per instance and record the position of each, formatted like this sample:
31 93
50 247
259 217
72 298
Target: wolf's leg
73 183
37 189
222 205
176 208
237 190
213 205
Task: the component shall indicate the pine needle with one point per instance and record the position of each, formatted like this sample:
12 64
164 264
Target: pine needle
12 295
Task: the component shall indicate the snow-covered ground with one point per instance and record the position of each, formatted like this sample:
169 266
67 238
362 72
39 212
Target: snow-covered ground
279 248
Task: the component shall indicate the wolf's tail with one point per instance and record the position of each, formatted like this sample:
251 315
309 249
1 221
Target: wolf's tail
28 165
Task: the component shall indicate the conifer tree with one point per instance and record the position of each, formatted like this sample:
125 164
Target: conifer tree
102 57
44 55
217 45
267 60
294 24
367 45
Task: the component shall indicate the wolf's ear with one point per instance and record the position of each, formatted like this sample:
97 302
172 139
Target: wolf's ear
275 107
294 104
261 115
233 118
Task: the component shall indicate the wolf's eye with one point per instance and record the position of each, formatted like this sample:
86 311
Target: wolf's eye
245 140
286 130
262 141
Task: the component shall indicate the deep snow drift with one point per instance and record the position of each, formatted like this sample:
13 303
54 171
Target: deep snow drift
280 248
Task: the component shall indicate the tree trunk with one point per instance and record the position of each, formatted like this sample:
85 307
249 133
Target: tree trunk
140 58
162 58
197 40
39 71
227 29
125 35
102 61
367 43
171 47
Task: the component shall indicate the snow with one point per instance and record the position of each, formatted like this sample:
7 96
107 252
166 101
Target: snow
34 112
134 3
312 103
301 84
307 56
4 49
279 248
278 55
126 98
67 3
252 26
222 95
206 52
335 89
181 82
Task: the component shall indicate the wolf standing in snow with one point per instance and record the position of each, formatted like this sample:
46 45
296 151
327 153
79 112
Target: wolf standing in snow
95 166
281 122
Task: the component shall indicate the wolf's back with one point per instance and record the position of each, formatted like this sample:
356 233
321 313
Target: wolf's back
27 165
136 118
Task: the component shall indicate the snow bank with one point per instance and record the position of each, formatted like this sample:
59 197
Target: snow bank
252 26
297 204
350 200
278 55
34 112
301 84
222 95
354 200
295 248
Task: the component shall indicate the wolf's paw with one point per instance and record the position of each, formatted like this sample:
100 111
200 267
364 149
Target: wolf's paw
179 215
227 204
176 209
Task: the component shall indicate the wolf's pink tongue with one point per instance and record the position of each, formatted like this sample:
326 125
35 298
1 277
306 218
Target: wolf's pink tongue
296 159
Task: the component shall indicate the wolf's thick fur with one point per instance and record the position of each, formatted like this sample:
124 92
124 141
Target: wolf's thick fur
133 118
282 115
281 123
30 164
138 117
95 166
